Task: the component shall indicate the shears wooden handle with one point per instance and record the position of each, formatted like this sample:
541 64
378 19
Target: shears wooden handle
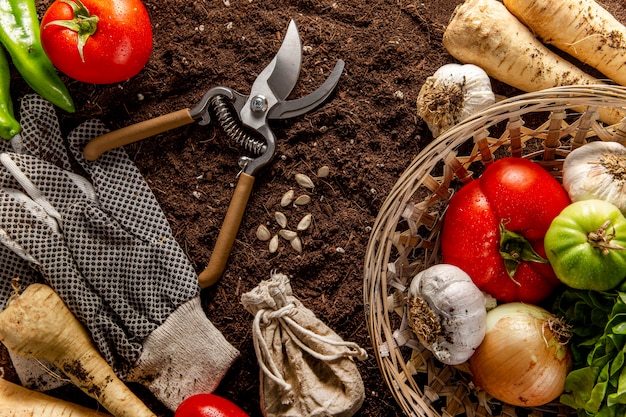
134 133
228 232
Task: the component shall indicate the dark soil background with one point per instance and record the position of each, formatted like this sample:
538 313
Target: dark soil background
366 134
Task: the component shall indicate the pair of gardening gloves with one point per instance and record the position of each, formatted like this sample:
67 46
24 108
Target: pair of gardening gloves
95 233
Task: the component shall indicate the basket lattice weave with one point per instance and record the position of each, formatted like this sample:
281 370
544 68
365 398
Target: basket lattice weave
544 127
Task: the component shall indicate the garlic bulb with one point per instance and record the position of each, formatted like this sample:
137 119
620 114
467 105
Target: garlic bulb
597 170
452 93
447 313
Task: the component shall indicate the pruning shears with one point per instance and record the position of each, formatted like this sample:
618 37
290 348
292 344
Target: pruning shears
244 118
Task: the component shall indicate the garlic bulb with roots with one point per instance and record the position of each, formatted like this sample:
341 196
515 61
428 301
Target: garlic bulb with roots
451 94
597 171
447 312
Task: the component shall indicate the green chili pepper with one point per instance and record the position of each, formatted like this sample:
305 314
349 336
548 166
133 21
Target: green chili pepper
9 127
19 33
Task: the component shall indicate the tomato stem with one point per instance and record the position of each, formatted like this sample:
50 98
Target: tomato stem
601 240
84 24
515 248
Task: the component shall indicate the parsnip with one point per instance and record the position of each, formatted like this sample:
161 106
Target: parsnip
17 401
485 33
38 324
581 28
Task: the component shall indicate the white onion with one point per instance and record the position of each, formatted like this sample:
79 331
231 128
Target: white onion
523 359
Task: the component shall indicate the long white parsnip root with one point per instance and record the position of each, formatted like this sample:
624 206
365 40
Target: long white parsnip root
487 34
17 401
37 324
581 28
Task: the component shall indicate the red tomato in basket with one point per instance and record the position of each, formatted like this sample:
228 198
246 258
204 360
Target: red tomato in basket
118 48
512 195
208 405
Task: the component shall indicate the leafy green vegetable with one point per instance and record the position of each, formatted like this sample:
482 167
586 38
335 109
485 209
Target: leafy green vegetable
597 384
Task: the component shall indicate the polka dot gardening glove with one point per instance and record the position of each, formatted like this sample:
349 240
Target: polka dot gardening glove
105 246
33 373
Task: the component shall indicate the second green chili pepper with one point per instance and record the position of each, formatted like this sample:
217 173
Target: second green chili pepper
19 33
9 127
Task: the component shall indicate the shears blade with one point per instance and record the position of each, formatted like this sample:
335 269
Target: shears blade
277 80
288 61
294 108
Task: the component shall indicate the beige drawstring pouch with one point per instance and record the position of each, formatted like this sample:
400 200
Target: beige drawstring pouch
306 369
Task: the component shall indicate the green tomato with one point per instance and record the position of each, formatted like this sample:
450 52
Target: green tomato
585 245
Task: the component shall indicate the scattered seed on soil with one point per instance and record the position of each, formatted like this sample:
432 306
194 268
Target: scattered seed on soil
287 234
304 223
304 181
296 243
273 247
287 198
302 200
281 219
262 233
323 172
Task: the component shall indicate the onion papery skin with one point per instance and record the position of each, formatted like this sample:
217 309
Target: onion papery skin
521 360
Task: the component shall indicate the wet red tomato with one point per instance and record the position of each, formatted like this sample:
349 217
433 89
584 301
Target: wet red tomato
99 42
494 229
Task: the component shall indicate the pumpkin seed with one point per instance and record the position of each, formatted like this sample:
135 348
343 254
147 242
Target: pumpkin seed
305 181
273 247
323 172
281 219
287 198
262 233
287 234
304 223
296 243
302 200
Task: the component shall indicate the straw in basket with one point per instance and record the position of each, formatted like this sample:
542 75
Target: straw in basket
544 127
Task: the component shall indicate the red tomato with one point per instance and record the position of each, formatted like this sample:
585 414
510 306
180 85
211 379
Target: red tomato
118 48
208 405
513 194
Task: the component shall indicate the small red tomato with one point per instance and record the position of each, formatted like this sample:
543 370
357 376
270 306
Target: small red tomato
99 42
208 405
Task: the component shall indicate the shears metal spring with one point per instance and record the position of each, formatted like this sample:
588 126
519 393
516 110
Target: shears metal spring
244 118
231 127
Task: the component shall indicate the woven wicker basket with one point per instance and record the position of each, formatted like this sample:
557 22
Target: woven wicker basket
544 127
